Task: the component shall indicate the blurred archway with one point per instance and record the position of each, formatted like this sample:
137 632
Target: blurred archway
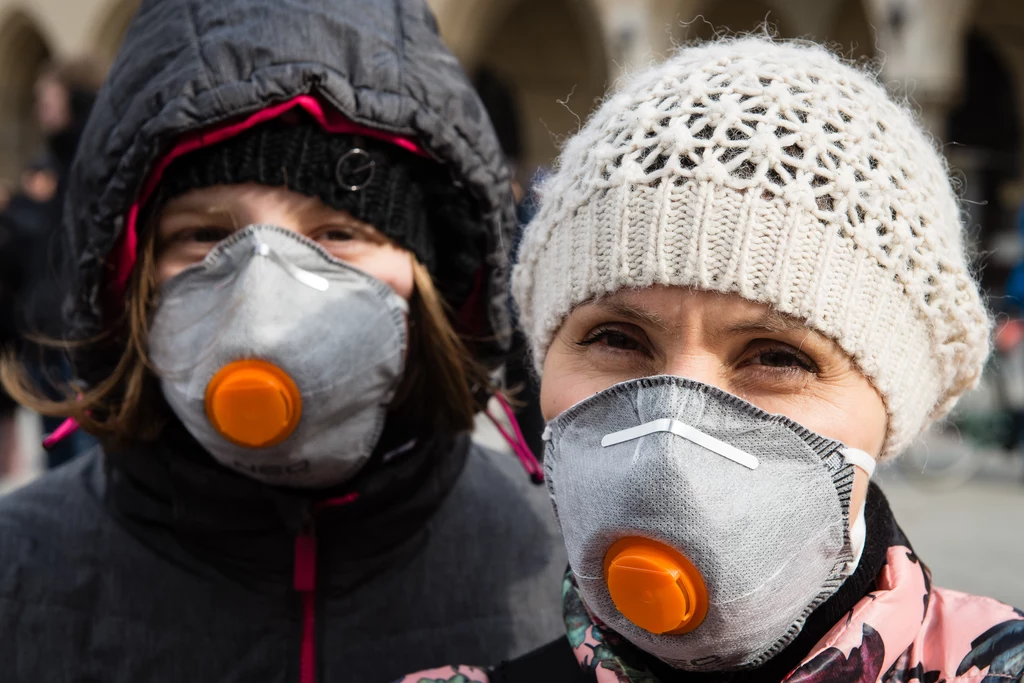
548 55
986 138
23 54
841 24
111 27
851 32
715 17
986 134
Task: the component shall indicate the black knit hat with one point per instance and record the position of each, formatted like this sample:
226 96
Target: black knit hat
409 199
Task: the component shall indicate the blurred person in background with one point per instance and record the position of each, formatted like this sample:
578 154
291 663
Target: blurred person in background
1015 282
64 95
746 284
10 283
22 222
1009 343
286 227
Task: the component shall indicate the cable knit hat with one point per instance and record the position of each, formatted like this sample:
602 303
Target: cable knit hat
774 171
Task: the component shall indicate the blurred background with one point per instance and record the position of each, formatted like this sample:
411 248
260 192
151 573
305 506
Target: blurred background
542 65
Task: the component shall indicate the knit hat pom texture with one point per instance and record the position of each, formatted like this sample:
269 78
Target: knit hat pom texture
776 172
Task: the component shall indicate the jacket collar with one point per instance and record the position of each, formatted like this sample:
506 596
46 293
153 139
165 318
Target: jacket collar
239 526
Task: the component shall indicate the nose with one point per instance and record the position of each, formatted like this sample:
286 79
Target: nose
253 403
696 364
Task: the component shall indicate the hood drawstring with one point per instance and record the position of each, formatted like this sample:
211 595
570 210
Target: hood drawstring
518 442
63 431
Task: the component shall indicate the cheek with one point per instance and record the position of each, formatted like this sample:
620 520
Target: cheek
865 424
391 266
167 267
564 383
852 413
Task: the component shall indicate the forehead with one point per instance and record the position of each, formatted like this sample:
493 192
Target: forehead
242 193
668 304
251 202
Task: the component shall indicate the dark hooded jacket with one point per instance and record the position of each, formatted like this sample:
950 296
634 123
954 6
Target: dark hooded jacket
154 563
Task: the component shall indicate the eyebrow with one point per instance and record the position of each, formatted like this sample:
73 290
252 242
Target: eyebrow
199 207
774 322
769 321
616 306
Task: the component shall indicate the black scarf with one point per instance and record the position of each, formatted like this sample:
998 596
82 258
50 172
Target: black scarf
174 495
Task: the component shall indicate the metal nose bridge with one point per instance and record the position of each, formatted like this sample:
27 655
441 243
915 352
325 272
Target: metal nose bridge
307 278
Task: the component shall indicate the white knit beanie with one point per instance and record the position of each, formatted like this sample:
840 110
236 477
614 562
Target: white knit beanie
774 171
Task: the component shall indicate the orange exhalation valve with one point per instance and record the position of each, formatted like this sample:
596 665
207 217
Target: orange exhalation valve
253 403
654 586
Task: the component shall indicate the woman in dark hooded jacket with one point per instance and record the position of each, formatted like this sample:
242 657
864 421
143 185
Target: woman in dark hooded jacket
286 303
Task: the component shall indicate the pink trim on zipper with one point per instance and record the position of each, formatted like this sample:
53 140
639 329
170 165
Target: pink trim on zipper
518 442
304 583
307 658
63 431
124 253
336 502
305 563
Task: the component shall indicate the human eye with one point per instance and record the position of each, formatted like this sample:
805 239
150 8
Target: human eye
204 234
181 243
617 338
333 233
770 356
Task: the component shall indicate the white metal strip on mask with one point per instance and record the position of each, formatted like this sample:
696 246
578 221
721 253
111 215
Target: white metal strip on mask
859 458
689 433
317 282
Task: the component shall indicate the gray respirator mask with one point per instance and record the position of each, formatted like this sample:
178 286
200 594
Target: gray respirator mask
699 527
280 359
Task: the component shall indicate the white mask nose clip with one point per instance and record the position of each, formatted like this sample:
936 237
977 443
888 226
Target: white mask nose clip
685 431
310 279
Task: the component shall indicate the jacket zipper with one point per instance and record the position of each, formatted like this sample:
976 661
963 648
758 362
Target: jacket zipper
304 583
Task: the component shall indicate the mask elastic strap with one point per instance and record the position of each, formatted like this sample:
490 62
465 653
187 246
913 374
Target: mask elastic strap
858 530
858 536
859 458
518 442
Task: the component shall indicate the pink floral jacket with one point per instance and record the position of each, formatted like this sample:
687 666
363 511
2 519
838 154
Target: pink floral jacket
905 630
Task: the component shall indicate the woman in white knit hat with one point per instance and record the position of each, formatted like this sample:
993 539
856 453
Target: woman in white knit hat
746 285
